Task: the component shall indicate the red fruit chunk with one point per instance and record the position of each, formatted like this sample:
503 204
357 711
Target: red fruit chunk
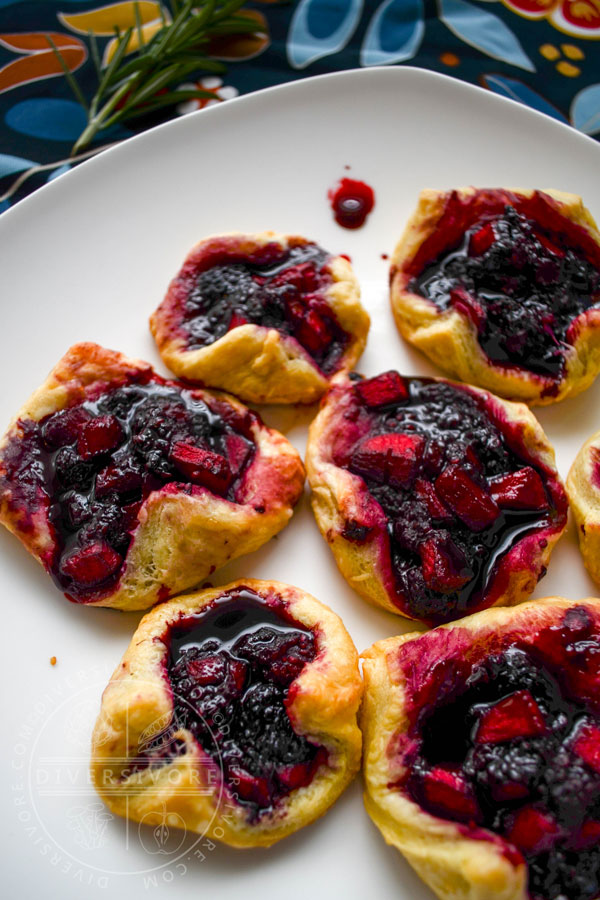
238 451
384 389
389 458
482 240
295 776
130 515
211 470
210 670
122 478
425 491
516 716
449 792
588 836
472 460
519 490
445 567
303 277
238 671
251 787
466 498
582 675
237 319
92 564
313 332
532 831
64 427
587 746
99 435
509 790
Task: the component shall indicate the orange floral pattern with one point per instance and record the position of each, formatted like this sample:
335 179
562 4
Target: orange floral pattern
38 59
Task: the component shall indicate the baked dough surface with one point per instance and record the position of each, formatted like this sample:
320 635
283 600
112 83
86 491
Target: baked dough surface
449 338
180 537
583 488
458 862
258 364
323 706
339 496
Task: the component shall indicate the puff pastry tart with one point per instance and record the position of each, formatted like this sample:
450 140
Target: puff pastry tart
129 488
233 714
437 498
269 317
583 487
482 743
501 288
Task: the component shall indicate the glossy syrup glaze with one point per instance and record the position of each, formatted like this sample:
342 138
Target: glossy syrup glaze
505 737
273 287
352 202
518 271
231 669
91 466
456 495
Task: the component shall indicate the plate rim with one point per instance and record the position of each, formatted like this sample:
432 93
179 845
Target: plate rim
300 85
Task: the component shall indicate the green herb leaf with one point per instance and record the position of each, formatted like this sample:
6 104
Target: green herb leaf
136 83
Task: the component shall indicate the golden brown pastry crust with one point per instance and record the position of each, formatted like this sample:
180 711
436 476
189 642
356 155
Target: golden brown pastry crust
338 496
449 338
181 538
324 708
256 363
455 865
583 488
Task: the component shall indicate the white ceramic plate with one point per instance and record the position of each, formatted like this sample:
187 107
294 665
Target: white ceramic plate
88 258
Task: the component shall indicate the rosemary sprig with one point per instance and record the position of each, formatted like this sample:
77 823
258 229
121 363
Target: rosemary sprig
139 83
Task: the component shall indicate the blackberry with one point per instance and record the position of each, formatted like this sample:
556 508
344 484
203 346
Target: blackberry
495 768
569 788
529 295
70 470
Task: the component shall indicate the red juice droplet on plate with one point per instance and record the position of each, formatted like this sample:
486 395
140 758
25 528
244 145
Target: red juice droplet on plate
351 202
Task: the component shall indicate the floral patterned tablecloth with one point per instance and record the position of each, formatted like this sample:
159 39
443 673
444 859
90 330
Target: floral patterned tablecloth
544 53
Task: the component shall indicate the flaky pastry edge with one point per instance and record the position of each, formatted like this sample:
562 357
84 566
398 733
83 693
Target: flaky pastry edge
454 865
259 364
449 338
180 538
336 495
324 708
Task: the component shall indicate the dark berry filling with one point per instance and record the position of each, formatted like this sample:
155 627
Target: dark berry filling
283 291
519 283
231 668
91 467
512 751
456 497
